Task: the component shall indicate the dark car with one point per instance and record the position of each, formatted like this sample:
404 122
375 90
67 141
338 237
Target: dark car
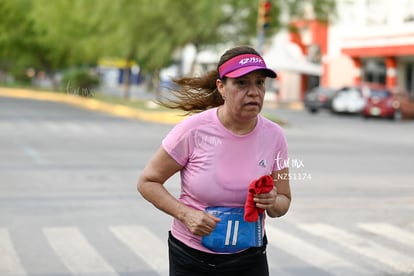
319 98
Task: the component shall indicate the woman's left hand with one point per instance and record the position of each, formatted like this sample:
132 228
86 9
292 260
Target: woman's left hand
266 200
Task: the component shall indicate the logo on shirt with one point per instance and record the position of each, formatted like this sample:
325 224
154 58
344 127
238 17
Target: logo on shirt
262 163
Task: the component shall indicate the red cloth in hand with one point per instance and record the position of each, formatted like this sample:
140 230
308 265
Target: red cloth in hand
259 186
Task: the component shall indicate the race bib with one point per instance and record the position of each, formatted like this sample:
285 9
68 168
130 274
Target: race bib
232 233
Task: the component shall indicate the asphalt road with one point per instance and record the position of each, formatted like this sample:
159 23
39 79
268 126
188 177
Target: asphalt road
69 206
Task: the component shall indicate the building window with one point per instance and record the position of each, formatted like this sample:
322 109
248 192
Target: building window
409 78
409 18
374 71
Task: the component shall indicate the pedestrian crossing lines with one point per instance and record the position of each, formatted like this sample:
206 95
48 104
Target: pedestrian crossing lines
370 252
10 263
144 244
397 261
310 253
76 252
389 231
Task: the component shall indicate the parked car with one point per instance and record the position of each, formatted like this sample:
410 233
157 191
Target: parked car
381 103
389 103
319 98
404 104
350 100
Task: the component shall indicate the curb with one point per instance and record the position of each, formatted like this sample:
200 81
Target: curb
296 106
95 105
293 105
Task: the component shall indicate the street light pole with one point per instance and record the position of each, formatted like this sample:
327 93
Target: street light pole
263 23
260 40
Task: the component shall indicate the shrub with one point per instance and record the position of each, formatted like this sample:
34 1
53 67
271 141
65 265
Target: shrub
79 82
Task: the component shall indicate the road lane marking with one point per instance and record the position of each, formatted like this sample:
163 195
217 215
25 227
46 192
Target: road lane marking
62 128
309 253
145 245
10 263
390 232
93 128
73 127
34 154
362 246
76 253
7 126
53 127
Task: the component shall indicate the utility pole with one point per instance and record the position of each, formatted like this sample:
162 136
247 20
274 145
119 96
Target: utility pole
263 23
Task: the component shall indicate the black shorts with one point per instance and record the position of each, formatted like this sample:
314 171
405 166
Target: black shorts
185 261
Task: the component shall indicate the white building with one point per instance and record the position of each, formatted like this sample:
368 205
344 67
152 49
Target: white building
378 36
369 41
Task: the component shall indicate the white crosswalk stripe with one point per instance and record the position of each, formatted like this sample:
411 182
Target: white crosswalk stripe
398 261
326 252
144 244
78 255
309 253
10 263
389 231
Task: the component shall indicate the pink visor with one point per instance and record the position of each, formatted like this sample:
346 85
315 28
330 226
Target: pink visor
243 64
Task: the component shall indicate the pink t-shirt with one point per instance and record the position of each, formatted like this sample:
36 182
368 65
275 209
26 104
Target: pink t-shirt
219 165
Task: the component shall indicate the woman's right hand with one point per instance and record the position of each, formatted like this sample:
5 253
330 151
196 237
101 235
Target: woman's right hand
200 223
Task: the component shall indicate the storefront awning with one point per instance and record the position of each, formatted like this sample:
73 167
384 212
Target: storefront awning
287 57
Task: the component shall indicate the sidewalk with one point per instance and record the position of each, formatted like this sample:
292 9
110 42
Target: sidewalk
294 105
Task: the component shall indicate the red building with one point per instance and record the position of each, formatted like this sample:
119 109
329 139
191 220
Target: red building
312 38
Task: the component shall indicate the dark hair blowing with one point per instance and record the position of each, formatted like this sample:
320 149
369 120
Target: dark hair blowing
196 94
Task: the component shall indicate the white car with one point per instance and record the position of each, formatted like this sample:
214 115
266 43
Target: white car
348 100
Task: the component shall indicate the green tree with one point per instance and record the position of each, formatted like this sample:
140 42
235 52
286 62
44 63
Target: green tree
16 37
54 35
46 35
66 28
150 31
